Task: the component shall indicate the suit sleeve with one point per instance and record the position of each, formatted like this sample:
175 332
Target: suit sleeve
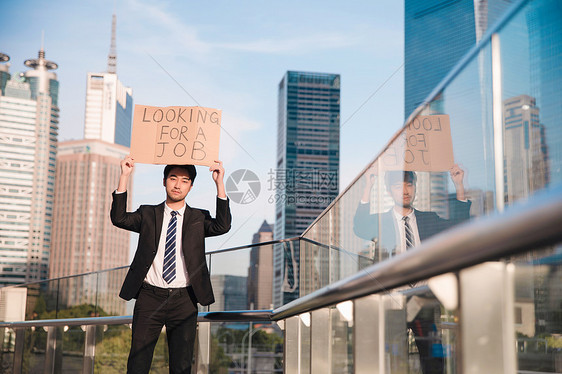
221 224
120 217
365 225
460 211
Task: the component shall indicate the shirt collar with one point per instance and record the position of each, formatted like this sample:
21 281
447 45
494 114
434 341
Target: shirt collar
168 210
398 217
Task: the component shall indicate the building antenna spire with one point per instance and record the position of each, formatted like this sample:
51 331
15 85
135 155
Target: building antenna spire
112 57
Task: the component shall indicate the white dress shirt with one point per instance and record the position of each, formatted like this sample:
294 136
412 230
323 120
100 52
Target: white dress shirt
154 275
401 230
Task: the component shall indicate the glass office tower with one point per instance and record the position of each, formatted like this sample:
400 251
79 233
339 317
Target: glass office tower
109 103
306 177
29 117
437 35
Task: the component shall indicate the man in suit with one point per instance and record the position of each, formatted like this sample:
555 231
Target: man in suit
169 274
404 227
388 229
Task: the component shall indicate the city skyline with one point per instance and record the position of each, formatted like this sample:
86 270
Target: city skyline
170 57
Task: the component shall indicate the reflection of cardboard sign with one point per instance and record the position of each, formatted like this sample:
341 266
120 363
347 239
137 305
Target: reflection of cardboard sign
175 135
425 145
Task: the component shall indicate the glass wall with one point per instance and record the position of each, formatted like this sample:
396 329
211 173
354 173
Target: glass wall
246 347
488 137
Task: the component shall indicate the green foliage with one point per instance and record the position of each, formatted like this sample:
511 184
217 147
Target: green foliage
220 362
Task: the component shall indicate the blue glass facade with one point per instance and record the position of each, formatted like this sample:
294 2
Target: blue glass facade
123 121
437 35
307 158
545 52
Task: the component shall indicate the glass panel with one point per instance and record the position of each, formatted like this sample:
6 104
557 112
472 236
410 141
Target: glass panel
538 310
35 347
244 279
246 348
531 56
286 278
89 295
77 297
420 333
42 300
112 348
8 345
229 278
108 301
73 339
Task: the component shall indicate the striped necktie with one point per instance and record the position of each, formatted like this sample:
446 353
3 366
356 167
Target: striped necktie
409 233
169 270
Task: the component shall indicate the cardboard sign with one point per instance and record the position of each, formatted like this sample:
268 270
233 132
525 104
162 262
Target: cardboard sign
175 135
425 145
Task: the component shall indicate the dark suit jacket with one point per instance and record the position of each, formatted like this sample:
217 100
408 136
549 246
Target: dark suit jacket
367 225
147 221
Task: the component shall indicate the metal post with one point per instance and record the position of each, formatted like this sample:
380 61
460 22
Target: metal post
320 342
487 319
292 359
368 335
497 112
249 365
18 352
89 350
51 350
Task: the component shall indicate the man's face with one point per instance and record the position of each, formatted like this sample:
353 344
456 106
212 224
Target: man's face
178 184
403 193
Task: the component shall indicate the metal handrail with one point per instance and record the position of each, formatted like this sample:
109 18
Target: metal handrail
260 244
230 316
127 266
533 224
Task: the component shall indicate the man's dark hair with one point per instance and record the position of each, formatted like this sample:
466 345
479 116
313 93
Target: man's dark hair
190 169
399 176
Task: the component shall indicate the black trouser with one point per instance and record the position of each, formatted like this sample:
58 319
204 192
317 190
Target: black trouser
428 340
156 307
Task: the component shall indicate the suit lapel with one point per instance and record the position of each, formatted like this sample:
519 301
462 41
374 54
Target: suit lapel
184 234
158 218
422 226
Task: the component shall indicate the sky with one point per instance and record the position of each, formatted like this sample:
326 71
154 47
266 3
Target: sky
231 56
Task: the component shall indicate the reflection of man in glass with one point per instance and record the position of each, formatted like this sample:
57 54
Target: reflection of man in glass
404 227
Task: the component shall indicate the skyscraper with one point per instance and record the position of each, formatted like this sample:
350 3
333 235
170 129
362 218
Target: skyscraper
84 239
437 35
260 272
109 104
525 152
29 117
307 170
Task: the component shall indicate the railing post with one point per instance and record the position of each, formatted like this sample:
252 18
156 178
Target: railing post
89 350
53 356
18 351
368 335
292 351
487 319
320 342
